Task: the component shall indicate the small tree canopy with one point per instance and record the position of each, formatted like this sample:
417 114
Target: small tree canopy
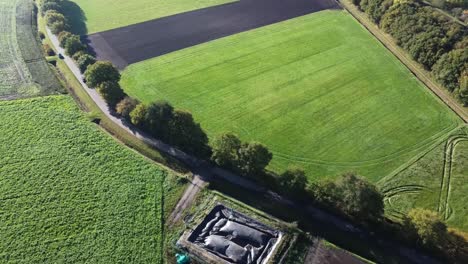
77 55
62 37
57 27
159 115
111 93
53 16
350 194
73 45
84 61
126 106
138 115
463 90
226 150
101 71
188 135
293 180
253 158
427 225
359 197
49 6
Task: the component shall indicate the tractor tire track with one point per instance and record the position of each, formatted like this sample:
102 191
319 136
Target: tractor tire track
445 187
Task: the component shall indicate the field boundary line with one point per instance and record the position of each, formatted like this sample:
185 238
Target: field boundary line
421 74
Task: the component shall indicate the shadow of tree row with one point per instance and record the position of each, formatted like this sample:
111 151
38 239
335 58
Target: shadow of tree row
76 17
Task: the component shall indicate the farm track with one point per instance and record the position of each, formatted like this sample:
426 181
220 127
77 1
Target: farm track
164 35
395 192
444 197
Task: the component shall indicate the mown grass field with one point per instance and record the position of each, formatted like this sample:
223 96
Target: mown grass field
436 181
70 194
318 90
23 69
101 15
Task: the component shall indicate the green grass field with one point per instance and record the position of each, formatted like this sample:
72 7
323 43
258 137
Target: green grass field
70 194
23 70
436 181
318 90
101 15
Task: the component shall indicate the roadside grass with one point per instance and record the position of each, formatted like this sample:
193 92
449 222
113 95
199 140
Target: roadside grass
70 193
24 72
435 181
91 16
318 90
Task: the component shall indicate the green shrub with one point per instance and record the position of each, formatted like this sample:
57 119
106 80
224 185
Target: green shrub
111 93
138 115
84 61
126 106
57 27
62 38
73 45
101 71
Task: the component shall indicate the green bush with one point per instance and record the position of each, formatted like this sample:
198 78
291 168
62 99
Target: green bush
126 106
249 159
53 16
62 38
101 71
350 194
188 135
84 61
73 45
111 93
57 27
138 115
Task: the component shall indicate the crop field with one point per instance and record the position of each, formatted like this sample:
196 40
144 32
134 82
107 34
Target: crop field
103 15
318 90
23 70
31 51
13 72
71 194
435 181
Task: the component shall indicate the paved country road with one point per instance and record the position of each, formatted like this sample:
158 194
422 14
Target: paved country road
204 172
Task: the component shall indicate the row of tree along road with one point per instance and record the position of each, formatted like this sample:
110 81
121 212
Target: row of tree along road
349 195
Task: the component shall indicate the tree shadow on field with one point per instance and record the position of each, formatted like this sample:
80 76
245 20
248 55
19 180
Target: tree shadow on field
76 17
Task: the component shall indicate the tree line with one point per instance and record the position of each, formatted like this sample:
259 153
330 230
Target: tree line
432 39
349 195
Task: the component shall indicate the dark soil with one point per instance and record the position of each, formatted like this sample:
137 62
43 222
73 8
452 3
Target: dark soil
146 40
